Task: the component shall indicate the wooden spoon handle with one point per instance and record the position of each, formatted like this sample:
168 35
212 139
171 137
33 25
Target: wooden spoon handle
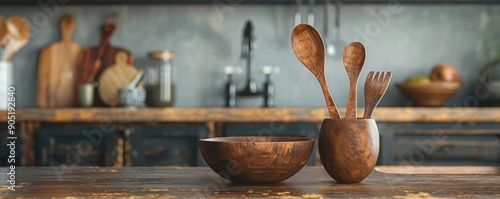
352 100
332 108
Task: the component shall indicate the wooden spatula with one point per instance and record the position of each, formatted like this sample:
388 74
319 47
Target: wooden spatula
58 69
114 78
19 34
3 31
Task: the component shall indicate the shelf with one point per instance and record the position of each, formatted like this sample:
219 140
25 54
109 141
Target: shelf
382 114
237 2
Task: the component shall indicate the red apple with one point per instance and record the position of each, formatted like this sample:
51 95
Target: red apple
444 72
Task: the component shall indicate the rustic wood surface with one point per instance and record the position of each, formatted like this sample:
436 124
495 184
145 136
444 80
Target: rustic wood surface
383 114
198 182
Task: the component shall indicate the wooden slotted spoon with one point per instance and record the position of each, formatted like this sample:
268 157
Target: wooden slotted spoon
375 88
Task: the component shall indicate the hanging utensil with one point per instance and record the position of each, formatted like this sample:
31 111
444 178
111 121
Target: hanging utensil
354 58
310 50
310 15
18 37
375 88
298 13
3 31
334 47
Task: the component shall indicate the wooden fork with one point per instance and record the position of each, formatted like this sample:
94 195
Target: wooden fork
375 88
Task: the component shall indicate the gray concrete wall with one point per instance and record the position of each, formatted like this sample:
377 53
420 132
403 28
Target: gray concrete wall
208 37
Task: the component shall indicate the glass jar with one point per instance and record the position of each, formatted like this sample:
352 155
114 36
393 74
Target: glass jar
158 80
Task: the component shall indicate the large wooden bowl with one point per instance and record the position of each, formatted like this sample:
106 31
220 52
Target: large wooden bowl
256 159
429 94
349 148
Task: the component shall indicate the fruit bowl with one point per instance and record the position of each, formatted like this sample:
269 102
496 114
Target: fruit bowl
256 159
434 93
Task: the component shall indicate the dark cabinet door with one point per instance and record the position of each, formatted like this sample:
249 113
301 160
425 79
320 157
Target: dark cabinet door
167 145
440 144
309 130
10 155
78 145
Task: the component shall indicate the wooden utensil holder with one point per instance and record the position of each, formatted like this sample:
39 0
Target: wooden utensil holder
349 148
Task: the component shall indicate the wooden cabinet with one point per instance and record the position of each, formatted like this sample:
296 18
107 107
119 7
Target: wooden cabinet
440 144
165 145
78 144
5 150
167 136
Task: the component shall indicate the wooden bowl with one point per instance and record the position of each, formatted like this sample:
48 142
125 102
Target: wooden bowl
349 148
429 94
256 159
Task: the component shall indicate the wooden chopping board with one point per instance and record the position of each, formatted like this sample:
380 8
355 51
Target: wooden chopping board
114 78
98 58
57 69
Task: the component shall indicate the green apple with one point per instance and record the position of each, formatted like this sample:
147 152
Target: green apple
418 79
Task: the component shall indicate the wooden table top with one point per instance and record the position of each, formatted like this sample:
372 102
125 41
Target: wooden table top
191 182
381 114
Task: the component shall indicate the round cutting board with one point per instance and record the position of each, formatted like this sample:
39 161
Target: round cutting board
114 78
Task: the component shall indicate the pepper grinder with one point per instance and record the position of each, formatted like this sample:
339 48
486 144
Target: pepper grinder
268 87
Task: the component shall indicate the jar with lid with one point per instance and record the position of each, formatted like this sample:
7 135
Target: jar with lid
158 80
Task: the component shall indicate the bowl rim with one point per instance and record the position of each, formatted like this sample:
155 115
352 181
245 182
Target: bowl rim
287 139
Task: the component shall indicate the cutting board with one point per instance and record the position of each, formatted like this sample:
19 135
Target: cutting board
114 78
57 69
98 58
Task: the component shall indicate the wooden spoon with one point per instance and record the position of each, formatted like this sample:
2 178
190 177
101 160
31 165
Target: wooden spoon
3 37
310 50
354 58
19 34
3 31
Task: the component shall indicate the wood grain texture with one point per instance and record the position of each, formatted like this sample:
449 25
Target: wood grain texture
354 59
58 69
375 88
429 94
309 48
349 148
198 182
384 114
114 78
456 170
252 159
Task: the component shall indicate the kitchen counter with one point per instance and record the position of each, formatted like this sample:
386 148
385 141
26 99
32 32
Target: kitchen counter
382 114
191 182
29 120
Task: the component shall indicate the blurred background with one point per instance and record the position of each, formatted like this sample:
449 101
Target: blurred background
206 54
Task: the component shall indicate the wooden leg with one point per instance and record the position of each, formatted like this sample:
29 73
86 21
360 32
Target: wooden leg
127 148
211 128
28 134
